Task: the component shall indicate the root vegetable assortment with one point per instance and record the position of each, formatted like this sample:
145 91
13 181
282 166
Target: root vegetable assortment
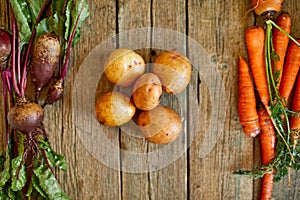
273 55
171 73
39 45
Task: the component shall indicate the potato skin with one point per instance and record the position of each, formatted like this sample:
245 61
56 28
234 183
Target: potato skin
174 71
45 59
114 109
123 67
147 91
160 125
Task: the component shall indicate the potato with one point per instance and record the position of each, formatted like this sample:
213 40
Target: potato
147 92
160 125
123 67
114 109
174 71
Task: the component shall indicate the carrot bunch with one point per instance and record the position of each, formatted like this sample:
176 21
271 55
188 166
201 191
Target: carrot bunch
274 111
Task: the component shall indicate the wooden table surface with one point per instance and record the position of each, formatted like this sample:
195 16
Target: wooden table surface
202 171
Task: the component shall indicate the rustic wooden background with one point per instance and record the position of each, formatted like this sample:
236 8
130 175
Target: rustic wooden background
218 25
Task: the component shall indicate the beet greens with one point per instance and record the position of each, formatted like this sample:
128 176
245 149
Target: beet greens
27 163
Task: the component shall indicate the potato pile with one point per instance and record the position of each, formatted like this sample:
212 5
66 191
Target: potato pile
171 73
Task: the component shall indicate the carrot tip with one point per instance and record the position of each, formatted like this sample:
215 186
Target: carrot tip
251 128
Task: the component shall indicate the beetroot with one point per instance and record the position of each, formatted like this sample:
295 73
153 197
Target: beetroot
45 59
5 47
55 92
25 116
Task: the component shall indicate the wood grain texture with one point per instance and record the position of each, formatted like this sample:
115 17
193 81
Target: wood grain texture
218 26
134 185
219 29
171 182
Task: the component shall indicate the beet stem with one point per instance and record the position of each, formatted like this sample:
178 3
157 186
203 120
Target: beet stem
23 82
4 92
64 72
8 79
14 82
26 60
19 59
47 161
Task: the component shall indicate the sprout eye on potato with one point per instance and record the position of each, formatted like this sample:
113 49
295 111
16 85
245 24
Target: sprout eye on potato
123 67
174 71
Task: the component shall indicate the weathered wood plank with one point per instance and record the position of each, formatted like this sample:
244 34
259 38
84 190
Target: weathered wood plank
133 15
171 182
157 184
218 26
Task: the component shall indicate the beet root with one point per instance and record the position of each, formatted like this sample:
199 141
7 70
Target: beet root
45 59
5 47
25 116
55 92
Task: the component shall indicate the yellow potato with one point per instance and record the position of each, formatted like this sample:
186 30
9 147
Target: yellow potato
114 109
174 71
160 125
147 92
123 67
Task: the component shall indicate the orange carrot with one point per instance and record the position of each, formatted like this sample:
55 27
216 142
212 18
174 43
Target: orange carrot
246 101
290 71
281 41
255 40
295 120
267 136
267 186
268 147
262 7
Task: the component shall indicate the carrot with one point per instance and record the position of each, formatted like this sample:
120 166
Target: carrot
246 101
268 147
280 42
290 71
266 7
267 136
255 40
295 120
267 186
